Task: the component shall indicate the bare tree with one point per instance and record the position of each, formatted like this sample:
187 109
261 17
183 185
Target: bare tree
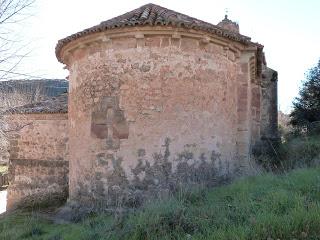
12 47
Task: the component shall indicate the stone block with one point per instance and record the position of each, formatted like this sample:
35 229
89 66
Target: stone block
165 42
188 44
152 41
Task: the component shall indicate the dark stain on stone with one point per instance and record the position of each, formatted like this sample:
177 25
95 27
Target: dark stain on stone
141 152
135 65
98 175
145 68
157 179
166 145
109 156
190 145
118 177
100 187
185 155
214 156
138 169
160 177
102 160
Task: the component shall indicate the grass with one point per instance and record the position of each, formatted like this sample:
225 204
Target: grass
263 207
303 151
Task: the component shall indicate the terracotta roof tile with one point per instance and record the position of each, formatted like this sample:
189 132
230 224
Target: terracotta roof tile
152 15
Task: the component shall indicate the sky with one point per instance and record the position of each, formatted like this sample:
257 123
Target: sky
288 29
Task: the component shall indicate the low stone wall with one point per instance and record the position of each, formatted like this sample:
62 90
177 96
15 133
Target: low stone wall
34 182
17 93
38 170
38 136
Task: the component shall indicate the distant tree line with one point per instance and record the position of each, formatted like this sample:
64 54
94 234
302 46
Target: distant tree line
305 116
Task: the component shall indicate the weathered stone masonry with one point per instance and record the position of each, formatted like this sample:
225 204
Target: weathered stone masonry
16 93
154 87
38 167
158 100
269 114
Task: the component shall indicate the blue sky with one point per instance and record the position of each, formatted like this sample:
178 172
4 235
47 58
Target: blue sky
289 30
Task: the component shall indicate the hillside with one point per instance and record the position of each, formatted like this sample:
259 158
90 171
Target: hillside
263 207
20 92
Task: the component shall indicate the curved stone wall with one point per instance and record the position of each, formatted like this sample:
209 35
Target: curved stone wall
149 111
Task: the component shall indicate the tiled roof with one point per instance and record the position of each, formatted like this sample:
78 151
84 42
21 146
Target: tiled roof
153 15
57 104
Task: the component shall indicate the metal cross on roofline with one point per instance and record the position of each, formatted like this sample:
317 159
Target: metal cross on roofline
226 12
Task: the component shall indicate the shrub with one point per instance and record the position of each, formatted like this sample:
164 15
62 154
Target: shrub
295 151
306 107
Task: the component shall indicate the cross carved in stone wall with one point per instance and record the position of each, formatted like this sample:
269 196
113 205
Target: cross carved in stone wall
108 122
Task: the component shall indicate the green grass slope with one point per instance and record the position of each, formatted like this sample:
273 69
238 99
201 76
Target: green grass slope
263 207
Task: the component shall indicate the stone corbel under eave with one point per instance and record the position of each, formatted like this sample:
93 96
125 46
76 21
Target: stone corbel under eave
139 34
140 39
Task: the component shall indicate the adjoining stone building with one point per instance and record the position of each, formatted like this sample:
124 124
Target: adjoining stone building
38 167
158 100
20 92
